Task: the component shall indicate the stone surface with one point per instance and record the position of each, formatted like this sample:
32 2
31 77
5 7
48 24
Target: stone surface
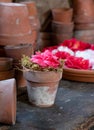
73 106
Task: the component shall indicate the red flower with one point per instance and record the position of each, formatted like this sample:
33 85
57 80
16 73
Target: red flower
77 63
75 45
62 54
50 48
45 59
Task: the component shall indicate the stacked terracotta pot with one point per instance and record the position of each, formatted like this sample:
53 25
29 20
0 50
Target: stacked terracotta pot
62 24
19 26
16 52
84 20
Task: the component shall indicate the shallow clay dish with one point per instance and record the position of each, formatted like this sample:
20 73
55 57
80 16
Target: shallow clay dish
78 75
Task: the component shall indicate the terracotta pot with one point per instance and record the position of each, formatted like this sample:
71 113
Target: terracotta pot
7 74
20 81
58 38
17 28
83 11
6 64
16 51
84 26
6 1
8 101
42 87
87 39
58 27
33 14
62 14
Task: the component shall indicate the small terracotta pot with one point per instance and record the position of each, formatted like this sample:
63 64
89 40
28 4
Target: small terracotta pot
16 51
8 101
42 87
6 64
17 28
58 27
7 74
84 26
58 38
83 11
20 81
62 14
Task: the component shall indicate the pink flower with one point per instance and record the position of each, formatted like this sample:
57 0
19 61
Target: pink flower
45 59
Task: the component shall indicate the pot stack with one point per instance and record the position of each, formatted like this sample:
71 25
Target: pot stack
62 24
84 20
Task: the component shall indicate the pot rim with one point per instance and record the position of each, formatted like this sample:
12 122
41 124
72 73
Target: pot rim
12 4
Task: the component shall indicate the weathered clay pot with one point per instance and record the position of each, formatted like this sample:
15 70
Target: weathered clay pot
42 87
58 38
85 35
7 74
6 64
16 51
81 33
33 14
17 28
84 26
8 101
20 81
62 14
7 1
83 11
60 27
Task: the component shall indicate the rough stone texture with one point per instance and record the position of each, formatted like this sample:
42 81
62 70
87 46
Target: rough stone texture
73 110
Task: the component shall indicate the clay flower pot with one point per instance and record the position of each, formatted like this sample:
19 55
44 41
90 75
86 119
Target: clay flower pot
33 14
6 64
16 51
83 11
7 74
15 25
62 14
60 27
8 101
84 26
59 38
42 87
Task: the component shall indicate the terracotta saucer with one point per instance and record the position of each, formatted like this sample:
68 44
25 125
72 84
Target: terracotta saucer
78 75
